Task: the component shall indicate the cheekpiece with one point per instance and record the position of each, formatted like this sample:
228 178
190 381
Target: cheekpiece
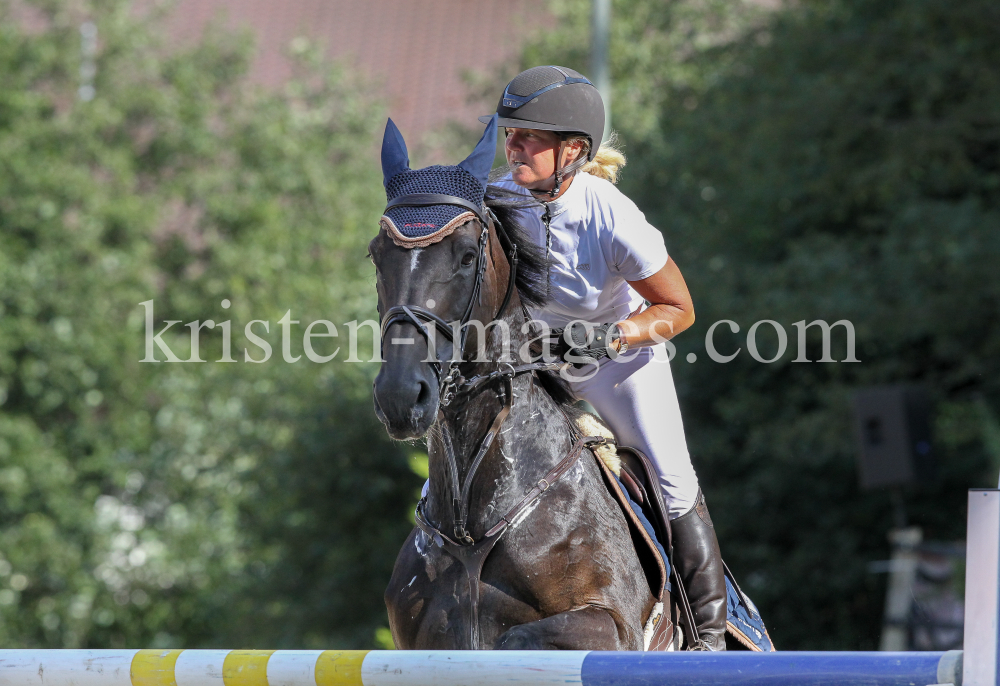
420 226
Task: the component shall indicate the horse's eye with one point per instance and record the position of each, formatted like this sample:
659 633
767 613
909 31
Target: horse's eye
468 259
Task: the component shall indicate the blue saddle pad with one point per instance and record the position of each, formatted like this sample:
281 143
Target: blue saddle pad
648 527
744 622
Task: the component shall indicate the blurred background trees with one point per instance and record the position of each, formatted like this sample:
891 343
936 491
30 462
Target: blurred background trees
834 160
184 504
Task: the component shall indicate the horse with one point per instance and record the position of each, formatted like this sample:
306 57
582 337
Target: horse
519 542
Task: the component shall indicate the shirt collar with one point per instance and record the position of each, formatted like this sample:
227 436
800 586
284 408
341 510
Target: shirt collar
562 203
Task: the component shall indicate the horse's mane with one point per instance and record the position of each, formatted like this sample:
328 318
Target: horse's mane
532 280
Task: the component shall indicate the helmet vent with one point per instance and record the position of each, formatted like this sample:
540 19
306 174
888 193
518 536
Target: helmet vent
551 98
529 81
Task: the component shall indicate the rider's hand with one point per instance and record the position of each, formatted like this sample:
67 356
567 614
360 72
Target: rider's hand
578 346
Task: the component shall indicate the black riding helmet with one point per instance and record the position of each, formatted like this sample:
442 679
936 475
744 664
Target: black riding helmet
556 99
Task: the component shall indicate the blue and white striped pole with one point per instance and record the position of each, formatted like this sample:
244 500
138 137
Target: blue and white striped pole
466 668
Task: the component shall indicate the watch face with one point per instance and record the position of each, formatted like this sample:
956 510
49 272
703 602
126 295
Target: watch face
615 334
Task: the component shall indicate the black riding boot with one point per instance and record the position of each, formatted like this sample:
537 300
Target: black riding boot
699 566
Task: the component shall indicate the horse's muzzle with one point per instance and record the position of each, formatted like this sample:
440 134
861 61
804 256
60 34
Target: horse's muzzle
406 400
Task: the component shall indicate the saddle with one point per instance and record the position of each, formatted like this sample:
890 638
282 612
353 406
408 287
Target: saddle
631 479
640 512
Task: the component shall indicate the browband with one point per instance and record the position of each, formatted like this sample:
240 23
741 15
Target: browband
428 199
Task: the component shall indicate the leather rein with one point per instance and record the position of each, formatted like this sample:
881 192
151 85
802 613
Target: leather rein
451 384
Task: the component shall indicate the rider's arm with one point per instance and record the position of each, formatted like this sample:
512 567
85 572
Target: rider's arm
670 310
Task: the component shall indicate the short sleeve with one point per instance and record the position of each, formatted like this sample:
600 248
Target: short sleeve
637 248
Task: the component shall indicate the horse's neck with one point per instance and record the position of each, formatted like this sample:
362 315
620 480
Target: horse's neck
533 439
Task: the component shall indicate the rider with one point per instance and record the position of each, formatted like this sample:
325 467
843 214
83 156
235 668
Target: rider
605 260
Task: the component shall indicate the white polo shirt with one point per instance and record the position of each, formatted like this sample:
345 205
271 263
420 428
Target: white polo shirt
599 240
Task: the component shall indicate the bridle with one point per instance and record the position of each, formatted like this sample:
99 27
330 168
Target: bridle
449 380
451 383
471 553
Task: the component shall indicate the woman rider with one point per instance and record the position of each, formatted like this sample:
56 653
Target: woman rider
605 260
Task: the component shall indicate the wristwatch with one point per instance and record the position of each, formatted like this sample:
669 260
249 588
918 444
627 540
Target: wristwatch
620 337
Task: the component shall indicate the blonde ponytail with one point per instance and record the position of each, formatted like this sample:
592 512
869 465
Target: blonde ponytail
607 162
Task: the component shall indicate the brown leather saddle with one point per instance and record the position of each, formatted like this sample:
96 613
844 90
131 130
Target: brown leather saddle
638 480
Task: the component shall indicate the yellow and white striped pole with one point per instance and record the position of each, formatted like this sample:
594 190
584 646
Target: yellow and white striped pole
285 667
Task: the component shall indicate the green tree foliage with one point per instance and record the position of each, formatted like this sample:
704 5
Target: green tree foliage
829 160
199 504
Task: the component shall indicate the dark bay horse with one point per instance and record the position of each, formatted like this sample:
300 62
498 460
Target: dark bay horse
519 544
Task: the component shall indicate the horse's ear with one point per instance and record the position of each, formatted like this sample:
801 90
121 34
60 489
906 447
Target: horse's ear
480 161
394 156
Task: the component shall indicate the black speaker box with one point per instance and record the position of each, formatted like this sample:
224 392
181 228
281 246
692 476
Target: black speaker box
893 431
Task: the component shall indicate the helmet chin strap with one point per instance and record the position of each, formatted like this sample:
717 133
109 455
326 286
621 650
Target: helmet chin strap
561 174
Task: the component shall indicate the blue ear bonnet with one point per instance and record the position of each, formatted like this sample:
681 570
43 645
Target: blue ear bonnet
420 222
410 225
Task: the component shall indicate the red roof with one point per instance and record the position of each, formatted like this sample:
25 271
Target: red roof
415 50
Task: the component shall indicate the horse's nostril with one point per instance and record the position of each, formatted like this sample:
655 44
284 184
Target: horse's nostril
424 394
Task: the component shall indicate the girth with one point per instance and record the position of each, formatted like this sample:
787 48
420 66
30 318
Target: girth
473 555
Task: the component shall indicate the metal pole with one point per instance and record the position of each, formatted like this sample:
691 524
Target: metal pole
88 63
899 594
600 26
982 589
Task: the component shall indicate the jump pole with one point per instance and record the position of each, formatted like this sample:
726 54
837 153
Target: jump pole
468 668
982 589
587 668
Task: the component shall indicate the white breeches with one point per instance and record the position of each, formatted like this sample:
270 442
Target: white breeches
635 396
